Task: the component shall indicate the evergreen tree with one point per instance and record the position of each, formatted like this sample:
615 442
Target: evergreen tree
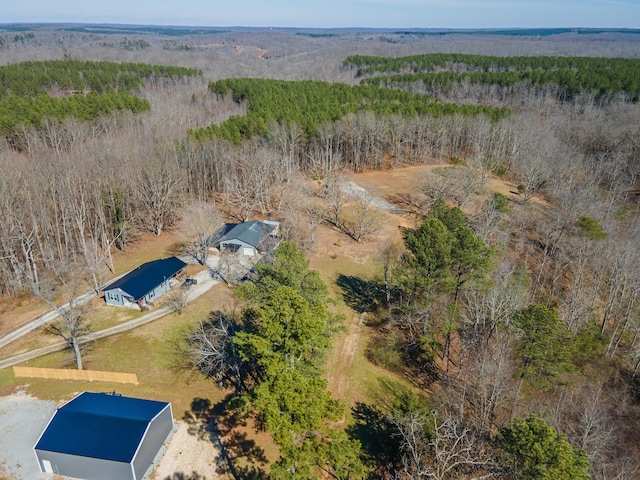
536 451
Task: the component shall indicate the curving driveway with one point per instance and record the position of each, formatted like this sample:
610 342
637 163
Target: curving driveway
206 280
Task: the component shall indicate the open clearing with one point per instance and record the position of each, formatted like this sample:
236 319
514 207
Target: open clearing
22 419
190 453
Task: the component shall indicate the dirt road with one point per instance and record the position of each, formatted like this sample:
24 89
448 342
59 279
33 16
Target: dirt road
340 381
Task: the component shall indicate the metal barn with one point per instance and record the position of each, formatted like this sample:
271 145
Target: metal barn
98 436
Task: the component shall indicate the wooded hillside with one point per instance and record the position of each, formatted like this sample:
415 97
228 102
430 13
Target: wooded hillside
508 301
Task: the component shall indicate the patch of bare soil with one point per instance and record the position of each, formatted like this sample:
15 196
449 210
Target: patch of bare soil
188 456
387 186
389 183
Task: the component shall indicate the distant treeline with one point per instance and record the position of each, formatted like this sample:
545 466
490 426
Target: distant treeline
31 92
31 111
310 103
604 76
106 29
35 78
520 32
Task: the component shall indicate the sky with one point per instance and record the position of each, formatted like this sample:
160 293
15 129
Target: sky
333 13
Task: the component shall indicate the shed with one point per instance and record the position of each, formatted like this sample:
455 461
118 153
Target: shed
250 238
144 284
102 436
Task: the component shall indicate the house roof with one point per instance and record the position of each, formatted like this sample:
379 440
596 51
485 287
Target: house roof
99 425
250 233
147 276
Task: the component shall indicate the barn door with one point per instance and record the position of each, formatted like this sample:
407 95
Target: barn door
47 466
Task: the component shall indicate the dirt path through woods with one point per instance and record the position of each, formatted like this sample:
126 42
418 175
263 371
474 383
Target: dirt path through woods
340 380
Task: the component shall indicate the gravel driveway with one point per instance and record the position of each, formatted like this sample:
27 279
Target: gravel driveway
22 420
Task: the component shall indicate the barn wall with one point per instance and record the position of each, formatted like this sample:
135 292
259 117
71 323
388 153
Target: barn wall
156 434
84 467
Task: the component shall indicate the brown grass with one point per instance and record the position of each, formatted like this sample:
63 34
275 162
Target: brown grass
16 311
151 351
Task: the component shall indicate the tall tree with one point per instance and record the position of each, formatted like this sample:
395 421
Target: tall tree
286 334
537 451
200 222
443 252
65 283
545 346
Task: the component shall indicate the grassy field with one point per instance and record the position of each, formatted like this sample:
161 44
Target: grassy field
152 352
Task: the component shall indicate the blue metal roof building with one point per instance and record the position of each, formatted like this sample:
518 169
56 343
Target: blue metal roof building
98 436
144 284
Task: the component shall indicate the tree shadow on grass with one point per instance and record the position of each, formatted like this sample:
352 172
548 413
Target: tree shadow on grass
361 295
185 476
377 436
222 426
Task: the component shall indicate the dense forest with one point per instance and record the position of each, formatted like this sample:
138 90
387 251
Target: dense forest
570 75
308 104
513 315
35 94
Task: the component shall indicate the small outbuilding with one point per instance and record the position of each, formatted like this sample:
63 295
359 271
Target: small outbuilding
98 436
250 238
144 284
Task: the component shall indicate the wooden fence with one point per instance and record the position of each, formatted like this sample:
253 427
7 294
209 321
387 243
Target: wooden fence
68 374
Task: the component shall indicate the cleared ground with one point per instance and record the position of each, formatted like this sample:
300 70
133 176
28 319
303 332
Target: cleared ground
150 351
22 419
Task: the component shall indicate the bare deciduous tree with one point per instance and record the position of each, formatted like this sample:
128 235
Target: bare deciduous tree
450 451
160 190
210 350
363 219
200 223
63 284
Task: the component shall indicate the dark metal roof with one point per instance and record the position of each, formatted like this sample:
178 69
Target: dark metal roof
250 233
98 425
147 276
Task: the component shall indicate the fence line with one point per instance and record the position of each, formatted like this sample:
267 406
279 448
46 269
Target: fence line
68 374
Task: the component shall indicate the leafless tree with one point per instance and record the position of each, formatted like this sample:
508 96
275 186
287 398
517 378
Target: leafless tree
160 191
391 257
210 350
323 158
458 184
62 292
489 307
451 451
200 222
286 138
302 217
178 299
363 219
395 134
337 198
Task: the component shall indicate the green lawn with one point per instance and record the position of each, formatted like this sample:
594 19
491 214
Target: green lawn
151 352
